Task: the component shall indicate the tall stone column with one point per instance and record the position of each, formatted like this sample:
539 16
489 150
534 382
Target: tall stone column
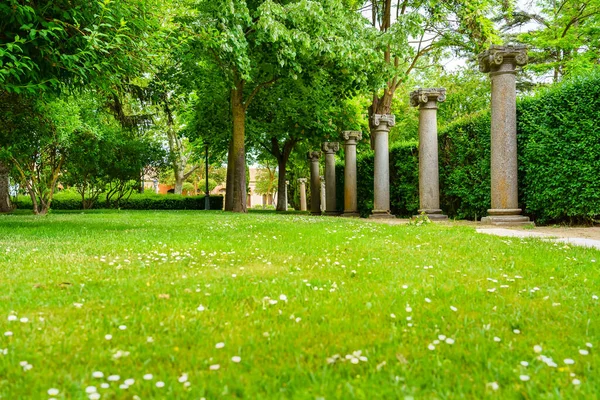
287 183
302 194
429 174
315 182
381 129
501 62
323 193
330 148
350 192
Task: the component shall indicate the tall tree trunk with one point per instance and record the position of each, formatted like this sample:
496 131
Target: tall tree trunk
5 205
229 182
239 156
179 178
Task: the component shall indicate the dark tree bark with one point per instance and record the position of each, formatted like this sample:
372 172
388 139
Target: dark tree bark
282 156
5 204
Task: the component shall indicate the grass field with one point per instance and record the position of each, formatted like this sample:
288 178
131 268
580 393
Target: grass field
178 305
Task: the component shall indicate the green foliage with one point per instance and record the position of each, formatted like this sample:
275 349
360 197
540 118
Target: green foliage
69 200
560 151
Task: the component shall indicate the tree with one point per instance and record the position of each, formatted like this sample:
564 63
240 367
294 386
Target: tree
564 39
413 32
256 43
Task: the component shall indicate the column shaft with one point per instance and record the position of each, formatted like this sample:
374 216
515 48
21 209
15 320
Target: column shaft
302 194
381 178
350 180
315 183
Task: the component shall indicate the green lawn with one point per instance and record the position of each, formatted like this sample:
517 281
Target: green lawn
314 307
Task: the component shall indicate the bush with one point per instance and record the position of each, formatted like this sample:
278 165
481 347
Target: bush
558 134
70 201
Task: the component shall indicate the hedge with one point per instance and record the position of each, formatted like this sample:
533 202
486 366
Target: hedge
70 201
558 135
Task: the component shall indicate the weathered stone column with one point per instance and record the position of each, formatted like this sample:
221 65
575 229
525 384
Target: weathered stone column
429 174
381 201
501 62
287 183
350 192
330 148
302 194
315 183
323 193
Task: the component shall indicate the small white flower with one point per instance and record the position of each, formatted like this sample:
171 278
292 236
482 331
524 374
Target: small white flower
283 297
12 318
449 341
220 345
8 333
108 337
392 315
576 382
584 352
129 381
494 385
53 392
453 308
214 367
408 308
149 339
236 359
516 331
148 377
569 361
497 339
122 327
183 378
104 385
91 389
442 337
24 320
589 345
537 348
113 378
160 384
200 308
594 297
431 347
524 378
94 396
77 305
97 374
427 300
354 360
525 363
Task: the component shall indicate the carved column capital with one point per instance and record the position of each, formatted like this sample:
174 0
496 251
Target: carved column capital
496 56
302 180
389 119
330 147
427 98
352 136
313 156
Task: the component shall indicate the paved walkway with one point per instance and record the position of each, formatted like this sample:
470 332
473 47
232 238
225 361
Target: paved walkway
575 241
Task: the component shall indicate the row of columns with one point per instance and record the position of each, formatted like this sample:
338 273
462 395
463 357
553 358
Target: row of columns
500 62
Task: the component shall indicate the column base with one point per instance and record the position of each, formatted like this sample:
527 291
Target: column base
350 214
507 217
381 214
434 214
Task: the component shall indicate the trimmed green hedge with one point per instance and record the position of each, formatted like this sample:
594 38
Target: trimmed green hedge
558 138
71 201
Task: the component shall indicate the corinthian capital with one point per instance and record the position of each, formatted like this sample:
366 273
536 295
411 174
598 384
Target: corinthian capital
495 56
330 147
302 180
422 97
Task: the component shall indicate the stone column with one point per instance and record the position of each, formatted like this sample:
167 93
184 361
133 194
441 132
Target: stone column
287 183
501 62
429 174
323 193
330 148
350 192
315 183
381 129
302 194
